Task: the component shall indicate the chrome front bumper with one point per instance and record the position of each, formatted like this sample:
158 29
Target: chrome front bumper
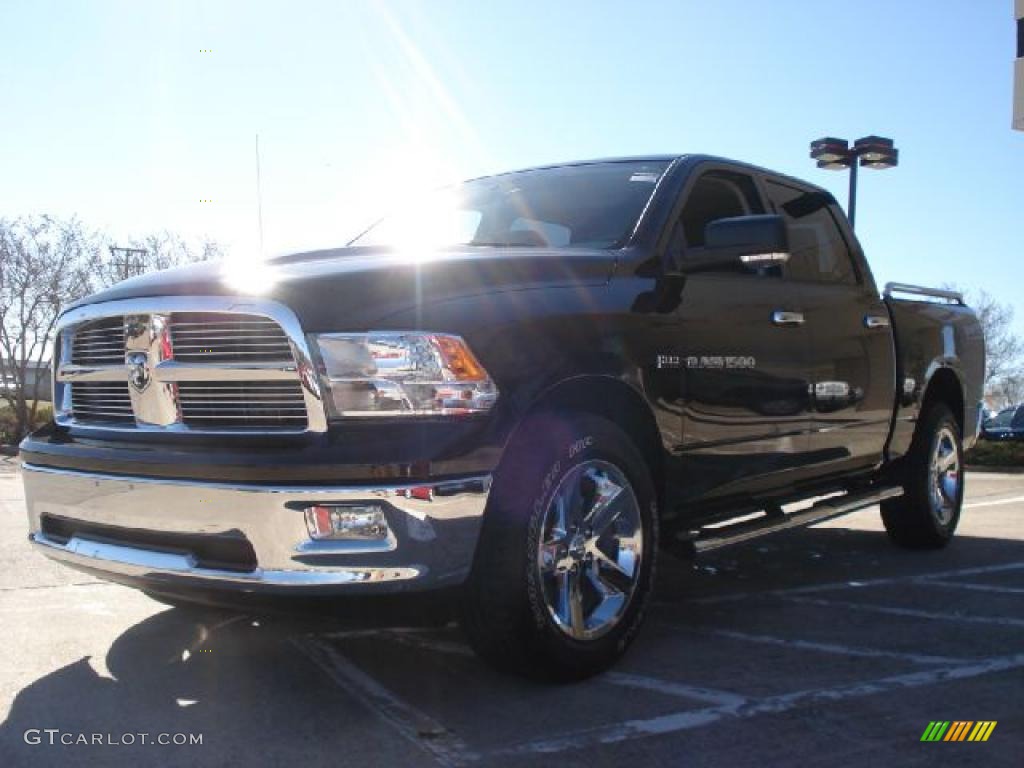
433 532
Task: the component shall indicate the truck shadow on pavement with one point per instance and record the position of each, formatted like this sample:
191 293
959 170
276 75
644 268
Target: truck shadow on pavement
724 633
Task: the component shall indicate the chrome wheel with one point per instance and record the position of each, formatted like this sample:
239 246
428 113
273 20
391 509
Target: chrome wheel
589 549
944 476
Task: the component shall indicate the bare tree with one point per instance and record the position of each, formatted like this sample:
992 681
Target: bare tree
1003 347
1007 390
162 250
44 264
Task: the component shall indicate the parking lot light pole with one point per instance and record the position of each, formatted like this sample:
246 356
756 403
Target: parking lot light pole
869 152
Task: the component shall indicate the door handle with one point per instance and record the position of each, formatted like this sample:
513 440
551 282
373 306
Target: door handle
876 321
782 317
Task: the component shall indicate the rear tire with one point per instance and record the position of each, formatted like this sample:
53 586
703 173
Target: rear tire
564 566
927 514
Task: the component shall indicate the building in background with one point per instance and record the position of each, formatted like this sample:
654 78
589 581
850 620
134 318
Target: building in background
36 371
1018 70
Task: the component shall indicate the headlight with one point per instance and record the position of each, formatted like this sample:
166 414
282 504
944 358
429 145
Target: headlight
401 374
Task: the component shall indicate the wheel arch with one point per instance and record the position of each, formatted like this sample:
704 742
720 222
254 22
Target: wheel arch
618 402
944 386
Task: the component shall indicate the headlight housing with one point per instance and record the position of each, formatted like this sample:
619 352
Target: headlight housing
398 373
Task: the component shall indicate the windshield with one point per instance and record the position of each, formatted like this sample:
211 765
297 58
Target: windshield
1002 419
596 205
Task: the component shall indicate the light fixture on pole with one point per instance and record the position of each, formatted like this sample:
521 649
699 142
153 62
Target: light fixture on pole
868 152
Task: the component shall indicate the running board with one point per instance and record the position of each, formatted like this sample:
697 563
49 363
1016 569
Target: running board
707 539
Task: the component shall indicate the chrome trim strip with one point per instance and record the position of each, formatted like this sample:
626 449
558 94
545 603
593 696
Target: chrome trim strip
172 370
71 372
302 369
131 561
433 528
444 487
919 290
784 318
876 321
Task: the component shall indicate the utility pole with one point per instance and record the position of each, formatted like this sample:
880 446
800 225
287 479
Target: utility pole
129 262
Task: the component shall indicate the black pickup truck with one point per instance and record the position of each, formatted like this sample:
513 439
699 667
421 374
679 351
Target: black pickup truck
516 389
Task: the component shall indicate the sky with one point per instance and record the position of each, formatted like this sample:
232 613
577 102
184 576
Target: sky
139 117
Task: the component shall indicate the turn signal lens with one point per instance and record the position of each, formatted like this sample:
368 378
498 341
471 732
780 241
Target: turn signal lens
458 359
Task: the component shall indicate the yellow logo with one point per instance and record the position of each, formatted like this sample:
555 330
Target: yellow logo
958 730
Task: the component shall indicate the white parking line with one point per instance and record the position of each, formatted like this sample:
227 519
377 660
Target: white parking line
429 644
415 726
679 721
841 650
853 583
997 502
909 612
656 685
993 588
60 586
668 688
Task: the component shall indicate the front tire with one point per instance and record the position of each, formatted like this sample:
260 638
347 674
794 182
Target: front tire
927 514
565 562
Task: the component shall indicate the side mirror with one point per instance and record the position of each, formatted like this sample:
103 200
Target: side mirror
752 241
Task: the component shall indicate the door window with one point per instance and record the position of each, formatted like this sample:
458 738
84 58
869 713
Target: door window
818 251
716 195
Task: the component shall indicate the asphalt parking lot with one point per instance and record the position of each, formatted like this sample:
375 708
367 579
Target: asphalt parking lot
822 646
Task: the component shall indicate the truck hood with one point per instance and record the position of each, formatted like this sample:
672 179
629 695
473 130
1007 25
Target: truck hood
354 287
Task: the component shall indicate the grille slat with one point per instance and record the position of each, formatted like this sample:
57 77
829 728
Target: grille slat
221 404
248 417
205 343
225 356
192 337
229 324
99 343
229 330
243 409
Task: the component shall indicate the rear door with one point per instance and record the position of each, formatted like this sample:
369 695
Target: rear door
744 355
851 355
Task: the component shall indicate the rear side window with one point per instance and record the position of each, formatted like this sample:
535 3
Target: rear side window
819 252
716 195
1018 419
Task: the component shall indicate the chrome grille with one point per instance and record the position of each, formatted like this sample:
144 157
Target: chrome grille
191 364
228 404
217 337
99 343
102 401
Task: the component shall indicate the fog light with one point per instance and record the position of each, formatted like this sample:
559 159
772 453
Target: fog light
361 522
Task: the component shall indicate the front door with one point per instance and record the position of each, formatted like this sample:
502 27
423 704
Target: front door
744 355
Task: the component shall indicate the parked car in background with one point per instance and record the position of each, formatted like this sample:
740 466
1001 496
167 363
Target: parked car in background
1008 424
